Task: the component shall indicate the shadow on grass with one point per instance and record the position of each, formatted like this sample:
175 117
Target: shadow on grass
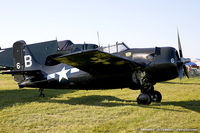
97 100
21 96
181 83
9 98
111 101
191 105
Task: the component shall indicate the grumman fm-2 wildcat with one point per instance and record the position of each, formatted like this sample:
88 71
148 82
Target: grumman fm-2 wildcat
65 65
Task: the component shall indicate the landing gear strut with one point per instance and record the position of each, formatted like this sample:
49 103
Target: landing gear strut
148 94
41 92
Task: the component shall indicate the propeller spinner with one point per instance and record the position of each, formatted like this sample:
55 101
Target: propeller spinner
182 61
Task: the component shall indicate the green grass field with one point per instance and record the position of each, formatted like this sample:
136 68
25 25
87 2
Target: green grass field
21 110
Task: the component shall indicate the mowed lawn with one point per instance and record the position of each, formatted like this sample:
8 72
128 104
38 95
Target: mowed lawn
21 110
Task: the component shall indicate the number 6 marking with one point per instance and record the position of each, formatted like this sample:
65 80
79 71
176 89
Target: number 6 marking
18 65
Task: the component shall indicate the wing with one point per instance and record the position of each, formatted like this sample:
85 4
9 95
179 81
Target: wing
98 62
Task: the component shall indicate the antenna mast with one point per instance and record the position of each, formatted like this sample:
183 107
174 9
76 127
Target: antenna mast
98 38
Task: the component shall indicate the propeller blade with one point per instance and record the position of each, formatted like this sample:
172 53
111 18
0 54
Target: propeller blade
181 66
179 45
180 71
186 71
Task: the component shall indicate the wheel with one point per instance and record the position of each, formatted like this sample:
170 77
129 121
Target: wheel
156 96
144 99
42 95
41 92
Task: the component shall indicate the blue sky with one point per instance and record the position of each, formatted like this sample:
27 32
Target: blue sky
138 23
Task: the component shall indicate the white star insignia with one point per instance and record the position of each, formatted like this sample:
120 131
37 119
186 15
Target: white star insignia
63 74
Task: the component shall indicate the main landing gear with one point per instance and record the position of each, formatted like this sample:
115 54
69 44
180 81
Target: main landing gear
147 98
147 94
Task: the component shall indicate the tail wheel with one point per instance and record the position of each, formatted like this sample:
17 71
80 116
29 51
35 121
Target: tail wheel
156 96
144 99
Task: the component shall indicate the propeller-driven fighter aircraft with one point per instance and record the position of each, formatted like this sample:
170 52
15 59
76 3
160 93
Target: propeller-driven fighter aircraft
65 65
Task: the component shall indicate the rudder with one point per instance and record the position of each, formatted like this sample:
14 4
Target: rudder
18 55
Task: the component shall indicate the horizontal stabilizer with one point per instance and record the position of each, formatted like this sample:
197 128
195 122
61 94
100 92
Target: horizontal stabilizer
5 68
26 72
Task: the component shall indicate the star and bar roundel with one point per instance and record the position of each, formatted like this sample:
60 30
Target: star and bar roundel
62 74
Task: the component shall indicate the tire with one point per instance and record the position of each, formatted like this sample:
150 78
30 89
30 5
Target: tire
144 99
156 96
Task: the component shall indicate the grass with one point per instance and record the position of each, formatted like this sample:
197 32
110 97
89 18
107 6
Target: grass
21 110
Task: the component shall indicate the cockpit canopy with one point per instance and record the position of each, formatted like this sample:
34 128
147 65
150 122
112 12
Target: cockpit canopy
69 47
118 47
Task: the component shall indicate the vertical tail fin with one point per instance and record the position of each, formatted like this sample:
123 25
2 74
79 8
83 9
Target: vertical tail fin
22 57
23 60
